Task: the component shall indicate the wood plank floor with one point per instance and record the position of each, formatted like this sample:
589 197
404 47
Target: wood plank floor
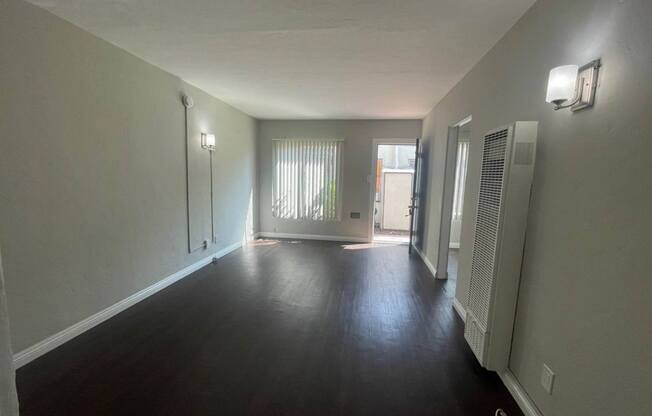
276 328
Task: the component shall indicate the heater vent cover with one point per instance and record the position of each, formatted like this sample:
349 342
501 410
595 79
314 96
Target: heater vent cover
505 179
487 223
475 336
523 153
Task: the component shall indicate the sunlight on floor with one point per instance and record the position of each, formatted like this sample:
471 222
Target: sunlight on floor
366 246
263 242
271 242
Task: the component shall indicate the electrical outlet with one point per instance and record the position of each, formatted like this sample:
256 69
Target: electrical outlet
547 378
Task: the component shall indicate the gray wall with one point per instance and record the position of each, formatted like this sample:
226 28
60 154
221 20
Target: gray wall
358 137
8 397
92 172
584 303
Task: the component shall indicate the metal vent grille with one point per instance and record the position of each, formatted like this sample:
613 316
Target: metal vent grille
487 224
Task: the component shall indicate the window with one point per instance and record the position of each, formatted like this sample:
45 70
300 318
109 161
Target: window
460 178
306 181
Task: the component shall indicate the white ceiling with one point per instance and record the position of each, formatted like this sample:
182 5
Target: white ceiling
292 59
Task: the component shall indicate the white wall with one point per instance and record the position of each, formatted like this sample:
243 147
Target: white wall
92 172
584 305
358 138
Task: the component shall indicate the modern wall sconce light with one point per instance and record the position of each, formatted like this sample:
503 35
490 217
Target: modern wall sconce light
570 86
208 141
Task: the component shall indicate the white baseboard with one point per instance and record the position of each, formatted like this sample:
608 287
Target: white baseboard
520 396
453 245
459 308
31 353
429 265
313 237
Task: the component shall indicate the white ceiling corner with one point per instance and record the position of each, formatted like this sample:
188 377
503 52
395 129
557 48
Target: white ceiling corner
300 59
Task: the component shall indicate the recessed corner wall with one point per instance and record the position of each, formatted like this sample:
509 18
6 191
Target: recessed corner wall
358 138
8 396
92 172
583 306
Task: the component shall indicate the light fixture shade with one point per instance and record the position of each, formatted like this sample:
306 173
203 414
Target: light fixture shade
562 84
208 141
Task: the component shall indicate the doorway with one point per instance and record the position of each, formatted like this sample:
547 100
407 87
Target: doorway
452 218
393 170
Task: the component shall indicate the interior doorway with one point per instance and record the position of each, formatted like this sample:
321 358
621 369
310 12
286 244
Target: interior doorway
452 218
393 170
461 168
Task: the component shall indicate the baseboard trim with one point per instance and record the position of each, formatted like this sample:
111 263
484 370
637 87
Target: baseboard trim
459 308
40 348
518 393
314 237
427 262
454 245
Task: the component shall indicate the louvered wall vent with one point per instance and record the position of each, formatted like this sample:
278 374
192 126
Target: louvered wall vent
505 180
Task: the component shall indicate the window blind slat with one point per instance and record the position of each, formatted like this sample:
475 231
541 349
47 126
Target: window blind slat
306 179
322 177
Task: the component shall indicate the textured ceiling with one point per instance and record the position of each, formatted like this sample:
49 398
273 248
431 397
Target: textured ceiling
294 59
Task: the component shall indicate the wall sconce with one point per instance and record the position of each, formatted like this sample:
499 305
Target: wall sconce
573 87
208 141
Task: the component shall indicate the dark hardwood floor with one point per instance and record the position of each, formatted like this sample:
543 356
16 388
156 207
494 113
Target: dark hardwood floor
277 328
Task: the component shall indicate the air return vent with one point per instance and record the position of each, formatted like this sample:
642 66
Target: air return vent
499 236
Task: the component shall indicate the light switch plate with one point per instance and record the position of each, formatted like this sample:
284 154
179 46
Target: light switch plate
547 378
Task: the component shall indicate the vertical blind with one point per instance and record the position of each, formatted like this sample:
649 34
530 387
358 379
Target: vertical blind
460 178
307 179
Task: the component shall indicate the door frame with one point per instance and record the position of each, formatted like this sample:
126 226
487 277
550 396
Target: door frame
448 193
372 178
415 201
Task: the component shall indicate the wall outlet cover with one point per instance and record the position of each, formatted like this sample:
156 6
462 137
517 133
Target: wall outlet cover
547 378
